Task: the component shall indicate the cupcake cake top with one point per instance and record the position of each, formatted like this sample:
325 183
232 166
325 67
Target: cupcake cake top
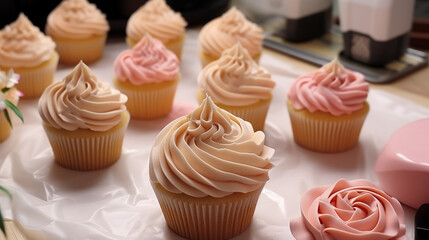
235 79
332 88
81 101
149 61
210 152
225 31
158 19
349 210
23 45
76 19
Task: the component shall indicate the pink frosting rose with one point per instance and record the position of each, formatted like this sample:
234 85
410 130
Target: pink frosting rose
352 210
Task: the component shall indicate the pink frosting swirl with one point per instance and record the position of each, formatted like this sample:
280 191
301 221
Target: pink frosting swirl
352 210
224 32
332 89
149 61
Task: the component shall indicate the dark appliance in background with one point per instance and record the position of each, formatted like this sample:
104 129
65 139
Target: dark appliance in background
196 12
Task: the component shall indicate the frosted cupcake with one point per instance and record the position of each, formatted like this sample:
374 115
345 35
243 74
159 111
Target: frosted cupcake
349 210
85 120
31 54
79 29
9 97
224 32
148 74
161 22
207 170
328 107
239 85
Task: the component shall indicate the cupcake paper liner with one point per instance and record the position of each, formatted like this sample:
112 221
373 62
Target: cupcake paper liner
207 217
254 113
72 51
148 101
86 150
5 128
34 80
323 132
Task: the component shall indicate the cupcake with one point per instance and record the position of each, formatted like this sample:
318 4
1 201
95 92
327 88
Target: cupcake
159 20
327 108
239 85
9 97
31 54
349 210
79 29
85 120
148 74
207 170
224 32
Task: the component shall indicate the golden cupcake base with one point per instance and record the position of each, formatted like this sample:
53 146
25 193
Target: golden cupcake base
34 80
72 51
176 45
148 101
324 132
5 129
86 150
207 217
206 58
255 113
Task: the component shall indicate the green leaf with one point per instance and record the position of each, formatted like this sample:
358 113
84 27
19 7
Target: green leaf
4 90
3 229
6 115
5 191
14 109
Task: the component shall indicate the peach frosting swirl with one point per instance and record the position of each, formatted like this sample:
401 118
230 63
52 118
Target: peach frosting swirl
82 101
352 210
158 19
225 31
76 19
23 45
333 89
149 61
210 152
236 79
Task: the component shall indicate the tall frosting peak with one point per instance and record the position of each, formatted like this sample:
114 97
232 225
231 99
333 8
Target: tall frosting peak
210 152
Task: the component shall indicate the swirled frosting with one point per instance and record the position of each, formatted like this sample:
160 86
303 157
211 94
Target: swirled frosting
352 210
235 79
81 101
158 19
333 89
23 45
210 152
149 61
76 19
225 31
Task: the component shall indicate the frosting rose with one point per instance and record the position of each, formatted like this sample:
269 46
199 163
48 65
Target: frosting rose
225 31
210 152
23 45
76 19
236 79
332 89
82 101
352 210
158 19
149 61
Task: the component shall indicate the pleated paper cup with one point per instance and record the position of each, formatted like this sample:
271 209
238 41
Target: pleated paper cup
148 101
207 217
254 113
175 45
324 132
72 51
34 80
86 150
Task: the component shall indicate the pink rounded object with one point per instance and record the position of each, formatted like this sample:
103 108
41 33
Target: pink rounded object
403 165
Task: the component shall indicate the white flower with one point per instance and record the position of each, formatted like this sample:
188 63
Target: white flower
12 78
